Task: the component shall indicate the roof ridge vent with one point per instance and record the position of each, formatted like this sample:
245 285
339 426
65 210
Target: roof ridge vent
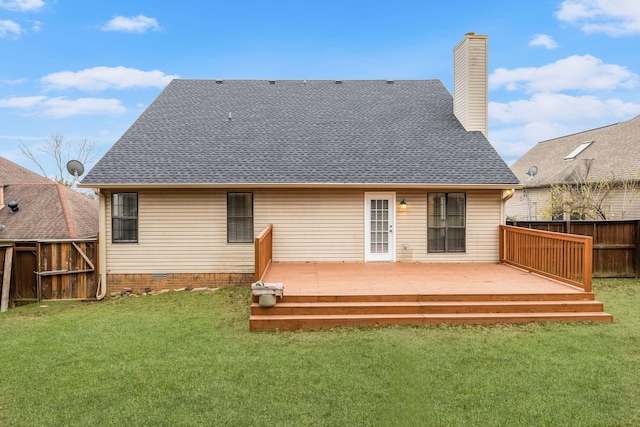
272 82
338 82
390 82
219 81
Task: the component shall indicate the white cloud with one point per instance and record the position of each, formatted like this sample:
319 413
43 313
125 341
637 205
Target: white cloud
36 27
22 101
612 17
517 126
544 41
573 73
13 82
10 28
102 78
61 107
22 5
562 109
135 24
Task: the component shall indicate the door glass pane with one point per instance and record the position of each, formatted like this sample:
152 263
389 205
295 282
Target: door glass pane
379 225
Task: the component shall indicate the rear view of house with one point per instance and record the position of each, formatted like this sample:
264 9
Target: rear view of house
344 170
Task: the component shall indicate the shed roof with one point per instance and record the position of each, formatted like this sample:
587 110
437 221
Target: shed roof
300 132
613 152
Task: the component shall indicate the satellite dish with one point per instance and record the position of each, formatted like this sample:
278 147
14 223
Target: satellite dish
533 170
75 168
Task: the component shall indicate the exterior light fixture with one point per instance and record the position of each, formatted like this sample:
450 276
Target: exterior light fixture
403 204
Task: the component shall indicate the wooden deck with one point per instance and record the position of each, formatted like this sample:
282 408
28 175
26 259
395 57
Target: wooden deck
320 295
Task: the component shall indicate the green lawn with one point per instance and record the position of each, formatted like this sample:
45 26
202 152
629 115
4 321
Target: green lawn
181 359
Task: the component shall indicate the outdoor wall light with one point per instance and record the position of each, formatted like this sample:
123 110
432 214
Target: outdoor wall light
403 204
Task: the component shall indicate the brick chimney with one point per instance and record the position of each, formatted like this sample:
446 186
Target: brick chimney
470 83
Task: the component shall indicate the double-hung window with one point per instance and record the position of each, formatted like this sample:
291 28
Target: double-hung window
124 217
239 217
446 229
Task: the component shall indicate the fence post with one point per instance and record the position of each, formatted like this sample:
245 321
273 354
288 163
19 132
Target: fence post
637 254
588 264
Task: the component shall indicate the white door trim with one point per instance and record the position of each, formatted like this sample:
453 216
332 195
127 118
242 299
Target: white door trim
390 232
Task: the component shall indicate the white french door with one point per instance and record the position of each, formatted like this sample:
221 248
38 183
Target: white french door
379 226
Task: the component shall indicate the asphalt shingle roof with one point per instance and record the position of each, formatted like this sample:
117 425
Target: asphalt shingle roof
299 132
614 153
47 210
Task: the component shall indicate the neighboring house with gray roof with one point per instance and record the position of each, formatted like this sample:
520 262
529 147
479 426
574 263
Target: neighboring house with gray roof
609 155
34 208
352 171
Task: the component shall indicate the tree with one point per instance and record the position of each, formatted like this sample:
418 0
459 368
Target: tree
61 150
587 198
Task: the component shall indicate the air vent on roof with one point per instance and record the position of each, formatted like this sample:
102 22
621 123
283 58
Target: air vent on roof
304 82
219 82
272 82
390 82
338 82
578 150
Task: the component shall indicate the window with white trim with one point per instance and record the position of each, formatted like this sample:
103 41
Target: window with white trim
240 218
446 222
124 218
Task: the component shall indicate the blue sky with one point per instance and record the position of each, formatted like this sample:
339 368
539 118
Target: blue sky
87 69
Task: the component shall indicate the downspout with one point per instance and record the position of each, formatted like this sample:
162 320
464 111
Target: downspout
102 247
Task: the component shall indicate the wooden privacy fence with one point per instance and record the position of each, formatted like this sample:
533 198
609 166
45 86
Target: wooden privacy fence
67 269
50 270
616 244
263 251
563 257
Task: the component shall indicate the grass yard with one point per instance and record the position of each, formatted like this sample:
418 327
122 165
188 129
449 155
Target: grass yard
179 359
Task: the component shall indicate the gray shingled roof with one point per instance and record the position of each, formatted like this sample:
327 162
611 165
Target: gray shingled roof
614 153
297 132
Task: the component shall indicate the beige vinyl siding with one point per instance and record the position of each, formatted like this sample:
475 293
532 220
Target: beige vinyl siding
624 205
470 83
529 205
180 231
532 207
313 225
184 231
483 219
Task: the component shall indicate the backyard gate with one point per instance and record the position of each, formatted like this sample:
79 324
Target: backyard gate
50 270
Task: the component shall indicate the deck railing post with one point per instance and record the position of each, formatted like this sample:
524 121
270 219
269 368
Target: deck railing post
263 247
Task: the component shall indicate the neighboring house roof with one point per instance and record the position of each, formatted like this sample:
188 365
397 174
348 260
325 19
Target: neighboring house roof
11 173
300 132
613 152
46 209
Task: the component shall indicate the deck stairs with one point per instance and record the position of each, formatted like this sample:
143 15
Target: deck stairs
325 311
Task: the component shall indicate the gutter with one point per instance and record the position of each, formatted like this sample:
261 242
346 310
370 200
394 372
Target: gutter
348 185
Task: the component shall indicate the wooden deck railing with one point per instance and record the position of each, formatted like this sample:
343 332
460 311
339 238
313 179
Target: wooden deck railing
564 257
263 250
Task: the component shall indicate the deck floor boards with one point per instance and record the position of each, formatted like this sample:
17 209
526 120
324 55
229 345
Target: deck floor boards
332 278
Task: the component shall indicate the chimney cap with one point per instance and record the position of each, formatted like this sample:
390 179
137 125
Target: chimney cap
470 33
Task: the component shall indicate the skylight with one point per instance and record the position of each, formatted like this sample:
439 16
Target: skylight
578 150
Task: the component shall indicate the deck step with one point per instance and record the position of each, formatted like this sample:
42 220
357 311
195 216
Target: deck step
420 307
569 296
283 322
